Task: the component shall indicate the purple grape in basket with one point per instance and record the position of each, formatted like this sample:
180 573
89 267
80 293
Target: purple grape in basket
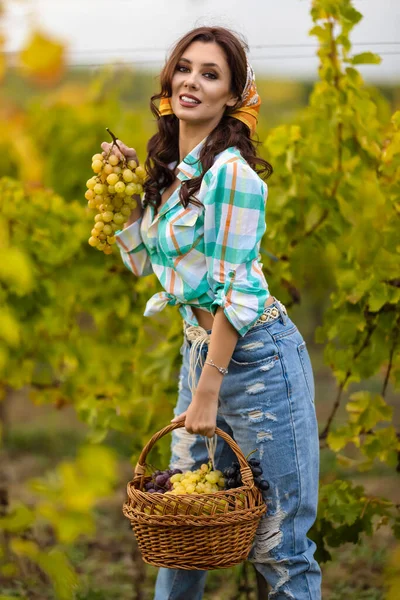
230 472
152 491
264 485
231 483
256 471
254 462
148 486
162 479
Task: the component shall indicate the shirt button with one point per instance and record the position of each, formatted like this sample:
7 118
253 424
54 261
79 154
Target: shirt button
231 273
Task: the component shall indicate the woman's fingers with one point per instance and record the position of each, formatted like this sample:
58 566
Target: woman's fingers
106 146
128 152
206 431
180 417
124 150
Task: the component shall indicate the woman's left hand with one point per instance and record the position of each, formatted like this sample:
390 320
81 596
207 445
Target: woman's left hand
201 416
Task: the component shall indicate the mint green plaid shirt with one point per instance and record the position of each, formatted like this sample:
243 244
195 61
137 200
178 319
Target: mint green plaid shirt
205 256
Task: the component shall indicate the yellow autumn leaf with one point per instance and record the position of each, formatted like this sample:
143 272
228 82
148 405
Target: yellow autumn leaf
43 58
23 148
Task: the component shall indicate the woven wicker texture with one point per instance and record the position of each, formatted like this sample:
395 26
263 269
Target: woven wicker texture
194 531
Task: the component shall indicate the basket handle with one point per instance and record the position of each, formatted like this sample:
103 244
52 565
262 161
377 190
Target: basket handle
245 471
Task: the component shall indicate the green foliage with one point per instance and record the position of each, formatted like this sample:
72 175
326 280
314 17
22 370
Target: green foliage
65 500
82 343
336 195
366 410
18 520
70 493
393 575
345 512
80 315
53 563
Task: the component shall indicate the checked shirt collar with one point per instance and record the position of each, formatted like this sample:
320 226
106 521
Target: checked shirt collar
189 167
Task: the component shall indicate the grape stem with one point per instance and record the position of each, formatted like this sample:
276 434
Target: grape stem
252 452
115 143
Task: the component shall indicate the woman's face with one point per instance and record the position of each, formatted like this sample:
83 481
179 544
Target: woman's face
201 84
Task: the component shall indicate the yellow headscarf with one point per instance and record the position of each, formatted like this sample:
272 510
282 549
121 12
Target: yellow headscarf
249 107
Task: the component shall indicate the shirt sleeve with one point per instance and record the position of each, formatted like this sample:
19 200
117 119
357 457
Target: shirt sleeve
133 251
234 223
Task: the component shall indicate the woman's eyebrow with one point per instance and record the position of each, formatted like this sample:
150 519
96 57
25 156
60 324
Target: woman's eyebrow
203 65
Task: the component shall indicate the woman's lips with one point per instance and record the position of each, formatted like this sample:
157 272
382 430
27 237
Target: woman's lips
188 104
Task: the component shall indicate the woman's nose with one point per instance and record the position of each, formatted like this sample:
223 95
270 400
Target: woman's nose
191 81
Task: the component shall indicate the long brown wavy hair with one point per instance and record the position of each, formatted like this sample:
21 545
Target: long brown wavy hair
163 147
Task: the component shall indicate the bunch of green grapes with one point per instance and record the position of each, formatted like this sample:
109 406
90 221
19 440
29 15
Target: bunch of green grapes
202 481
110 193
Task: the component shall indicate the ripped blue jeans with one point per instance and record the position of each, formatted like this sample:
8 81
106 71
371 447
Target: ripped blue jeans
266 403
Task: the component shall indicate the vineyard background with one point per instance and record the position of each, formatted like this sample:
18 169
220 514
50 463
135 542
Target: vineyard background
85 380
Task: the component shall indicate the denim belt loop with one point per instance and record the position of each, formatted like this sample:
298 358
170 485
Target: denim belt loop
282 310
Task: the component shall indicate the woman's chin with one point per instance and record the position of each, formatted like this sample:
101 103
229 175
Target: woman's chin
183 112
190 119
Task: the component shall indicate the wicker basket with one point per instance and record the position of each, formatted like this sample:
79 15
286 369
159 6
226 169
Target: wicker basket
194 531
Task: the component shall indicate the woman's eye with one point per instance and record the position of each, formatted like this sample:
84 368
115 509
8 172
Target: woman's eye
183 69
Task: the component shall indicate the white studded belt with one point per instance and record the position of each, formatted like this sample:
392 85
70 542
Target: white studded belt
270 313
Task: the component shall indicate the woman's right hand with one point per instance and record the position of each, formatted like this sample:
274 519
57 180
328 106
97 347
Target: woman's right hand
129 153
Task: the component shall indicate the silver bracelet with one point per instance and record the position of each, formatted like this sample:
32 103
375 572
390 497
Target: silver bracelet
220 369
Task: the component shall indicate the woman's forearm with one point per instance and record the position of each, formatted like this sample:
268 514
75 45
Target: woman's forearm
223 340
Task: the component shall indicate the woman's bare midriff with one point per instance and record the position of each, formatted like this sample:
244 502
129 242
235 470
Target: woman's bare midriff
205 320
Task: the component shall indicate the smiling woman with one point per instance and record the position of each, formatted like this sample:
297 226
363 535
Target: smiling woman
212 69
245 366
214 94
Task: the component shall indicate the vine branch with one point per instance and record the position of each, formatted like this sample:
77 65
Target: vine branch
336 405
